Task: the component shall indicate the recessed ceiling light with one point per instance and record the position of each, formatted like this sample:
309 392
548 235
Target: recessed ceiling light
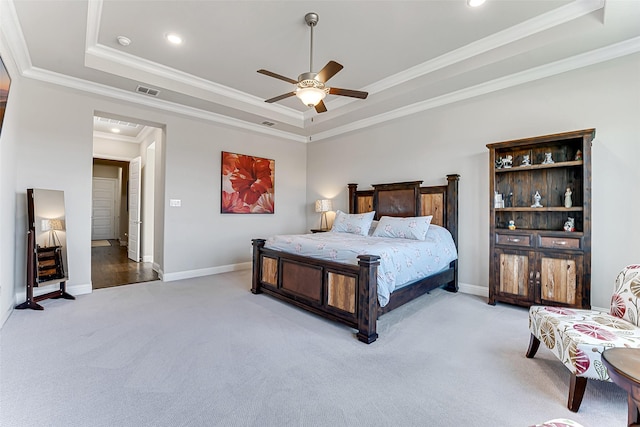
174 38
124 41
475 3
115 130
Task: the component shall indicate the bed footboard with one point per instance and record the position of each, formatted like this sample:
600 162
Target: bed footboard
340 292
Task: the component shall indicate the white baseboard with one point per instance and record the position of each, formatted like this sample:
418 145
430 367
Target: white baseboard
80 289
83 289
169 277
5 316
147 258
466 288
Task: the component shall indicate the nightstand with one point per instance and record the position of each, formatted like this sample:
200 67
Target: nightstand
319 230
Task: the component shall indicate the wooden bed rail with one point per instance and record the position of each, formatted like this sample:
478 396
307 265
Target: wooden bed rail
344 293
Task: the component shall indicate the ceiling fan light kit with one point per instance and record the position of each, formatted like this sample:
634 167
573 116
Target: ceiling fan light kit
310 86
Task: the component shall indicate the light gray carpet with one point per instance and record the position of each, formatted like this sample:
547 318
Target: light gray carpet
207 352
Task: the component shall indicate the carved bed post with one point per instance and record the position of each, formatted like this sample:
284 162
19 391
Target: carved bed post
257 266
368 298
452 222
353 200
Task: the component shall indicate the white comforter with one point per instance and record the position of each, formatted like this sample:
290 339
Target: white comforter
402 261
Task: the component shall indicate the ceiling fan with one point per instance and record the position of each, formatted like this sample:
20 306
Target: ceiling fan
310 87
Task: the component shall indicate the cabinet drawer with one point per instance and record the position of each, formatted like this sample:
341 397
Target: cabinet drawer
559 242
513 239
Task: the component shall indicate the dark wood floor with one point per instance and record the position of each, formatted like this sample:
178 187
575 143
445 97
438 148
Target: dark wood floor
111 267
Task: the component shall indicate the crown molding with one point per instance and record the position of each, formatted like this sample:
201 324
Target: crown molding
627 47
11 31
535 25
122 95
184 82
12 34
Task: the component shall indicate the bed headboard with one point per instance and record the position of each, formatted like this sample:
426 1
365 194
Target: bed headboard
404 199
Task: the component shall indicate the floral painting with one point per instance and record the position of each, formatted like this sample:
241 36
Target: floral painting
247 184
5 82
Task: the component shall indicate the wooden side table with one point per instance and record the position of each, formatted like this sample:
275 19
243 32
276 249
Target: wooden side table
623 365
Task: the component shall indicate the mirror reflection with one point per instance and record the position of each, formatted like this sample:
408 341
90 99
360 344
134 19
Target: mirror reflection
50 235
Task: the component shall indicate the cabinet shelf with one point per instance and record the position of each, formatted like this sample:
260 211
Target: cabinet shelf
541 166
539 262
543 209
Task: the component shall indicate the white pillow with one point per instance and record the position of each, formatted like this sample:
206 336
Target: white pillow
352 223
414 228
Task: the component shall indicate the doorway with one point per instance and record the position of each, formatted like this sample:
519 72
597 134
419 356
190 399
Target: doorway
121 148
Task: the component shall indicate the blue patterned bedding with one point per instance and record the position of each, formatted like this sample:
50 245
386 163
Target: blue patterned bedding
402 261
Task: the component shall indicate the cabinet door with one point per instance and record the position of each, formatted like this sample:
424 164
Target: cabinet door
513 275
559 278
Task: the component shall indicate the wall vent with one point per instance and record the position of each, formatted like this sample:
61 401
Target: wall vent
147 90
266 123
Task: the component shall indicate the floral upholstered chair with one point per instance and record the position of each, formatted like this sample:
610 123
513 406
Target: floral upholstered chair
578 337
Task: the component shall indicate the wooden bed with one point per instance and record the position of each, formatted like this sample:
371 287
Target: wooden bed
348 293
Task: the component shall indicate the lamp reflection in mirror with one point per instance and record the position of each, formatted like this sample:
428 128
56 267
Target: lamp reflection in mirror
323 206
52 225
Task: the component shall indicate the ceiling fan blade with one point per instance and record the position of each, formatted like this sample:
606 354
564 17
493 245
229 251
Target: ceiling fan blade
329 70
278 76
278 98
321 108
348 92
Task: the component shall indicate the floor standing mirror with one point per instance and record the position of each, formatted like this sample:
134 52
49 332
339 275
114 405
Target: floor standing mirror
46 246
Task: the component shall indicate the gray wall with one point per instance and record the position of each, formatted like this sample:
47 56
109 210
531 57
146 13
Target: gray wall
47 143
452 139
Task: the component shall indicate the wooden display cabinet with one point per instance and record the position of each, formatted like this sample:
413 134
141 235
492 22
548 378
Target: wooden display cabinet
539 262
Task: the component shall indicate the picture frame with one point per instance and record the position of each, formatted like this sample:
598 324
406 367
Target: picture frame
5 83
248 184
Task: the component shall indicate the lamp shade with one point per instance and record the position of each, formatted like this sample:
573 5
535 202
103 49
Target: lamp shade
52 224
323 205
310 96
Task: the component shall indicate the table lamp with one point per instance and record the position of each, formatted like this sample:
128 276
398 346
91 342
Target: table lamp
323 206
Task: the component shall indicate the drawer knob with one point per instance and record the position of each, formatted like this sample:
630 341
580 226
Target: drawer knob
514 240
561 242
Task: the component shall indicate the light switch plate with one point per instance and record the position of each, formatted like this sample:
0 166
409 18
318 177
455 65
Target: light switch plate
175 202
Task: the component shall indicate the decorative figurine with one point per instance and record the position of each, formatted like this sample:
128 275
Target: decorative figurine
570 224
499 163
547 159
525 160
578 155
507 162
508 200
536 199
567 198
512 224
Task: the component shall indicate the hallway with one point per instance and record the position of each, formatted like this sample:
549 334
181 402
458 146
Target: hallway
110 267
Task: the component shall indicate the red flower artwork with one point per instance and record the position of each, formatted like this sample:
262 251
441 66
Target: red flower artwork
247 184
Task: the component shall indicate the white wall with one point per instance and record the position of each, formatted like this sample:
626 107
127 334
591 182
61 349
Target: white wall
8 231
116 150
50 129
453 139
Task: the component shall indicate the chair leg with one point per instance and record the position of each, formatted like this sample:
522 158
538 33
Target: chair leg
576 392
534 343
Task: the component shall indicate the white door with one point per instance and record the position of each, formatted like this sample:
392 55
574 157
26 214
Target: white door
134 209
103 209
